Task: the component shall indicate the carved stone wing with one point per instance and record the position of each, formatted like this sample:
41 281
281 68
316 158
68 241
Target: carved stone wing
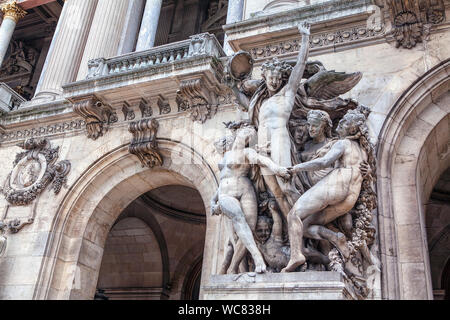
330 84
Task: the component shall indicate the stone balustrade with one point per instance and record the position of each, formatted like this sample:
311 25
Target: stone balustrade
198 45
185 76
9 99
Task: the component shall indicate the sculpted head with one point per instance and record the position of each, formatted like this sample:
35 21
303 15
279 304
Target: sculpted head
243 132
275 73
263 229
351 123
29 173
299 131
319 124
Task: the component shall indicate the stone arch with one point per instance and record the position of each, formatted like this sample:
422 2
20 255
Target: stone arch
184 267
154 226
95 201
190 285
412 154
439 254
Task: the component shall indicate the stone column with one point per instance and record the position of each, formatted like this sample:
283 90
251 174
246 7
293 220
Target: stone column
131 29
149 25
235 13
12 13
66 49
106 31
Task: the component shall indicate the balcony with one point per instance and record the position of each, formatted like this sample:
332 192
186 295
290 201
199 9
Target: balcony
161 75
184 76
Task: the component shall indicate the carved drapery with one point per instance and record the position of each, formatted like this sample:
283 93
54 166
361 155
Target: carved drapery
144 144
96 114
412 19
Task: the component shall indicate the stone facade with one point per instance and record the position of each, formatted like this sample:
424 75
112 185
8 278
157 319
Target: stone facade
113 162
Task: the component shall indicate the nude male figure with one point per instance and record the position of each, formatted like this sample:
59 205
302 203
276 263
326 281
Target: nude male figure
273 119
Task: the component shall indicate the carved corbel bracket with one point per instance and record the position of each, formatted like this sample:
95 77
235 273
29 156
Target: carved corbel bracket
128 113
144 144
163 104
96 114
194 96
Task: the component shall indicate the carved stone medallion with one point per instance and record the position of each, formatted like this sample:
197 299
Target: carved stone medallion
33 171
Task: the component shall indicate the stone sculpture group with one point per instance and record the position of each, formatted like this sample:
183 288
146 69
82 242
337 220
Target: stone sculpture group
297 175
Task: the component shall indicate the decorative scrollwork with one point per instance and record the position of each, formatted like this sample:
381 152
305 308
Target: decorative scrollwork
96 114
197 99
144 144
411 20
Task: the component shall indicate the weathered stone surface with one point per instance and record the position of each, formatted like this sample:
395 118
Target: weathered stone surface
293 286
59 256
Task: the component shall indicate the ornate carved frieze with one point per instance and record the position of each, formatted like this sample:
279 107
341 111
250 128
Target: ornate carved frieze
196 98
96 114
144 144
48 130
34 169
317 41
412 19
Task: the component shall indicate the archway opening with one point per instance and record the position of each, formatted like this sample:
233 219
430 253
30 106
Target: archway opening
154 250
438 235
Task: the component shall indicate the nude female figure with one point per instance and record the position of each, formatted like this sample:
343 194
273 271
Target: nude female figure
333 196
319 129
236 197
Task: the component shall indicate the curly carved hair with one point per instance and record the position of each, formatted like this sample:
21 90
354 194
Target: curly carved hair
224 144
324 117
360 132
274 64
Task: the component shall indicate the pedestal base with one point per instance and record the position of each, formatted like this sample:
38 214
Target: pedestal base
277 286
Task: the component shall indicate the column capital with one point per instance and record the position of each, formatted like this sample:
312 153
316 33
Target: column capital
12 11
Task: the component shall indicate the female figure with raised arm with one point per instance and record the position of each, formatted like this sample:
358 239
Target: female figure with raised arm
334 195
236 197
